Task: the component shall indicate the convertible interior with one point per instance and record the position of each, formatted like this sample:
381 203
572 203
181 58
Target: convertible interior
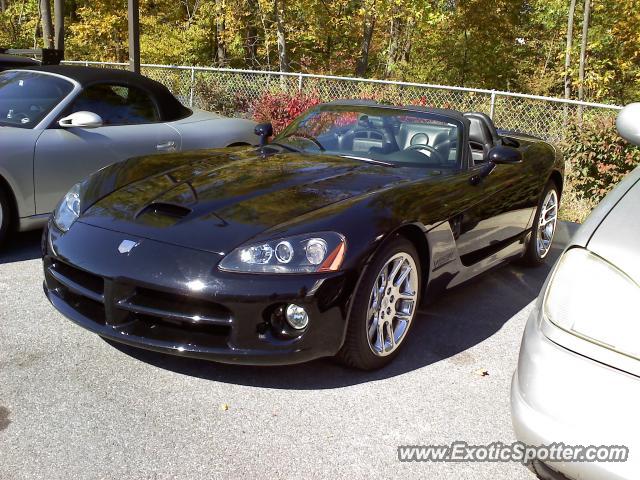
411 140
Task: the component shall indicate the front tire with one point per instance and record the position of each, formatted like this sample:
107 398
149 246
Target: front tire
5 216
544 227
384 307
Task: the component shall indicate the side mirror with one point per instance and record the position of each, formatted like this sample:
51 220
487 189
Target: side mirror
504 155
264 131
628 123
497 155
81 120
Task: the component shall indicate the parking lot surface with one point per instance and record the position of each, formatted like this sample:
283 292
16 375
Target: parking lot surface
75 406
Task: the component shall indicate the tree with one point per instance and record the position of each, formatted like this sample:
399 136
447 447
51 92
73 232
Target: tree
567 58
47 24
283 56
583 48
250 27
368 25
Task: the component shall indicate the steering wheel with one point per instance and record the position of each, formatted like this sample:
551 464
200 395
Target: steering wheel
429 148
21 116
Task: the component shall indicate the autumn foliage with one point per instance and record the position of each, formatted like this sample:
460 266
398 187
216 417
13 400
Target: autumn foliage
281 108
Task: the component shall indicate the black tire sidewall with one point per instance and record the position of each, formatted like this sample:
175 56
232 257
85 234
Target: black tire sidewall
356 351
531 256
5 224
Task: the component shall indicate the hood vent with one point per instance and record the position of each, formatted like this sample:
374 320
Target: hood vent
162 214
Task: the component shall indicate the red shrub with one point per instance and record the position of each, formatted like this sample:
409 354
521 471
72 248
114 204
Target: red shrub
281 108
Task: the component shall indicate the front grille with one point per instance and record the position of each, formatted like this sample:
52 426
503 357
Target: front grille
202 335
177 308
78 281
141 311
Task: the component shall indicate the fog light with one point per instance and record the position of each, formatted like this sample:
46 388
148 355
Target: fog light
296 316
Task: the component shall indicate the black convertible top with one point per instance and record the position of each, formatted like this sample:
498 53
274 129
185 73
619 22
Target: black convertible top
15 61
170 107
453 114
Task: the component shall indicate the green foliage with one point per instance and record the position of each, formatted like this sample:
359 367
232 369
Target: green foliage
598 157
215 97
516 45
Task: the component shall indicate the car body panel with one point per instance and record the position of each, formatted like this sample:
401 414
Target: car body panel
567 388
559 396
616 238
251 192
8 62
165 269
65 156
16 165
42 163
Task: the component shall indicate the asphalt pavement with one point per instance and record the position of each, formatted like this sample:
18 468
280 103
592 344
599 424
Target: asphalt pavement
73 406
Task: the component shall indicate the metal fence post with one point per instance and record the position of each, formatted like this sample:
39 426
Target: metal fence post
193 81
300 83
492 109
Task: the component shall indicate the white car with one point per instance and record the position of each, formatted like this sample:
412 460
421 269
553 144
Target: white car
59 124
578 375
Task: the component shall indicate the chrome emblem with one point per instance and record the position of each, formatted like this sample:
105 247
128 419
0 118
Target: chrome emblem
127 245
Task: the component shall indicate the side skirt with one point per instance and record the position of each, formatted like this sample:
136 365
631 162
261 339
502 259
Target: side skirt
447 269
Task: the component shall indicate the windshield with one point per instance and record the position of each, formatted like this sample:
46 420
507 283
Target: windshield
376 134
27 97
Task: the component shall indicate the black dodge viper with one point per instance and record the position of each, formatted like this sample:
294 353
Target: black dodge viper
321 242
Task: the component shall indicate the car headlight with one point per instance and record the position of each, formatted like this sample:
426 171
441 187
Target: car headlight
317 252
68 209
589 297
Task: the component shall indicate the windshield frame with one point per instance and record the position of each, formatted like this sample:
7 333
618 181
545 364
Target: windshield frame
46 121
355 106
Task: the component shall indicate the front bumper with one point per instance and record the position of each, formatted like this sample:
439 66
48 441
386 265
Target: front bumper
174 300
558 396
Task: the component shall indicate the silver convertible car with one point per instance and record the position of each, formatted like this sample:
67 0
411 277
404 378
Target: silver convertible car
578 376
58 124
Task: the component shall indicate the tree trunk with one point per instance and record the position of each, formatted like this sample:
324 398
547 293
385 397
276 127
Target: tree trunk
283 56
221 50
408 41
567 56
3 5
583 47
251 34
47 24
329 49
58 9
394 40
367 34
463 70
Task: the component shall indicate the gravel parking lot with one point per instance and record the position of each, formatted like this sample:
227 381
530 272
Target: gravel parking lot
75 406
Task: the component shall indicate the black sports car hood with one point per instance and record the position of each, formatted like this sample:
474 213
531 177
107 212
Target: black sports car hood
217 200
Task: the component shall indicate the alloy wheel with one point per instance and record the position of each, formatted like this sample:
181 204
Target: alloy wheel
392 304
547 223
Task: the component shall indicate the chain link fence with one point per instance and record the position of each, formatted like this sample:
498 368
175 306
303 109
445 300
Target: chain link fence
235 92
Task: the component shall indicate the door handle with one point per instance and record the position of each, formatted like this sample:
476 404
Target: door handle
169 146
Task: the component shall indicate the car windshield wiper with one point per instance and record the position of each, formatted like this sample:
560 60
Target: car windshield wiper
369 160
286 147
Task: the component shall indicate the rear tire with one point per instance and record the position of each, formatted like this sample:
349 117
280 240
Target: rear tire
384 307
5 216
544 227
